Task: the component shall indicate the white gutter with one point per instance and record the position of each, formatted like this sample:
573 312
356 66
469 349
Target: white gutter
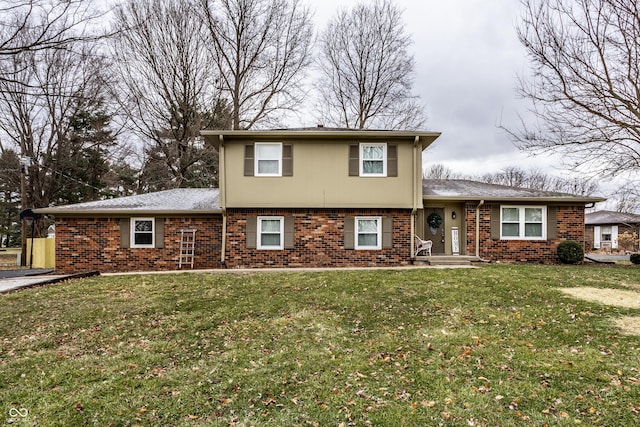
478 228
223 199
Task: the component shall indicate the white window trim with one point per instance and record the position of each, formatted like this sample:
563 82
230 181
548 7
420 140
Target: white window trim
612 231
378 219
521 222
133 233
259 233
257 159
384 158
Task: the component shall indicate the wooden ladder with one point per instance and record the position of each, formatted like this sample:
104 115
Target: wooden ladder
187 247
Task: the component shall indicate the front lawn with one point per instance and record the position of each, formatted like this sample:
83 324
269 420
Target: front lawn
499 345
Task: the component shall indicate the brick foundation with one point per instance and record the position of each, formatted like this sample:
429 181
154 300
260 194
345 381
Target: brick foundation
94 244
319 240
570 226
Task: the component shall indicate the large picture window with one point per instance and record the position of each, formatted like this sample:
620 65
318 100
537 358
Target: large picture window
368 233
142 233
268 159
270 232
373 159
523 222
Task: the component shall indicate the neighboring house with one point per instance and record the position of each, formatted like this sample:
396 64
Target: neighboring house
313 198
602 229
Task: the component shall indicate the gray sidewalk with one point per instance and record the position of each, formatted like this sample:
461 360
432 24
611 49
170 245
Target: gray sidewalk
8 284
18 279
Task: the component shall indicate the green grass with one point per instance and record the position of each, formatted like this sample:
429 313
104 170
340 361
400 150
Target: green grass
498 345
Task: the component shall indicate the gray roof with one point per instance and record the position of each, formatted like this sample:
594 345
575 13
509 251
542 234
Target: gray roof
321 133
190 201
176 201
611 217
462 189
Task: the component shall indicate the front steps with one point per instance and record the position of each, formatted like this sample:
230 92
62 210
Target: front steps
445 260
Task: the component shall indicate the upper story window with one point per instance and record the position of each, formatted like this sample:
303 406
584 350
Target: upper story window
268 159
142 233
370 159
373 159
523 222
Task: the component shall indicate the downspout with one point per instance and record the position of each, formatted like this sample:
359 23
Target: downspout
223 200
414 192
478 228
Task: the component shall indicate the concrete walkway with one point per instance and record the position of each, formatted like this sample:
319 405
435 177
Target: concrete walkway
18 279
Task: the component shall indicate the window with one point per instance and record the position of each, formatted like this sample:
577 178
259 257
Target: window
268 159
270 232
606 234
368 233
523 222
142 233
373 159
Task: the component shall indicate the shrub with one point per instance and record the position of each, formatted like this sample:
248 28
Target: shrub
570 252
635 258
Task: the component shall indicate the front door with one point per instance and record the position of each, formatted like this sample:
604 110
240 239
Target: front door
434 229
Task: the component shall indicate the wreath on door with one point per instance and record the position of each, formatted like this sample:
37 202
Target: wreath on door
435 221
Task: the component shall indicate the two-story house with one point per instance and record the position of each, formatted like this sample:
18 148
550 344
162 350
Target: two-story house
319 197
313 198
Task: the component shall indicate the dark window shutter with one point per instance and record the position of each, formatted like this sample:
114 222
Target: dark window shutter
248 160
125 233
287 159
392 160
354 160
387 232
552 222
495 222
349 242
251 234
289 232
159 232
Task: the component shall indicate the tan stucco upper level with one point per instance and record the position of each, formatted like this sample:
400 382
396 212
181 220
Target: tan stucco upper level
320 176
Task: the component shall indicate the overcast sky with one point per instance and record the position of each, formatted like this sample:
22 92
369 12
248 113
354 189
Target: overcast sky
467 59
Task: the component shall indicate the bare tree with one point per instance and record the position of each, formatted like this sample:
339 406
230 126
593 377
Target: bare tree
537 179
627 199
261 51
367 71
512 176
440 171
41 25
585 83
167 90
53 111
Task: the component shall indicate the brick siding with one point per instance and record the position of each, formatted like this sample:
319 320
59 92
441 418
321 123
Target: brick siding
318 241
570 226
94 244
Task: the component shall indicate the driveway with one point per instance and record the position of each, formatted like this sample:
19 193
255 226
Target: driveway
608 258
24 272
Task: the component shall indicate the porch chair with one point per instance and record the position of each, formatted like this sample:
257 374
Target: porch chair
423 245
